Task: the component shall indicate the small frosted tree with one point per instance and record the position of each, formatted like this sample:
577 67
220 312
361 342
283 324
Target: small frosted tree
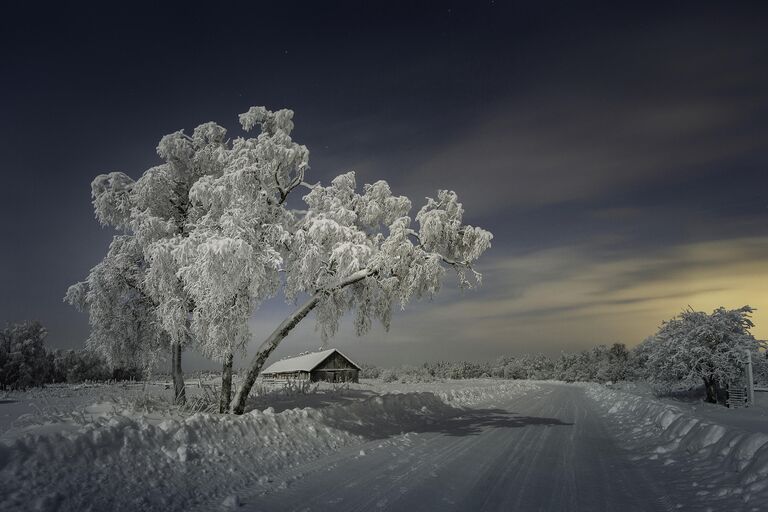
697 346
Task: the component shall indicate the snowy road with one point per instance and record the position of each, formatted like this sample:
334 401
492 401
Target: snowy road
548 449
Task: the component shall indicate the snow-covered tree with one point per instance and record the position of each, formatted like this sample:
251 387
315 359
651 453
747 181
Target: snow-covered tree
638 369
213 234
231 260
23 359
163 217
695 345
126 320
576 367
611 363
525 366
155 215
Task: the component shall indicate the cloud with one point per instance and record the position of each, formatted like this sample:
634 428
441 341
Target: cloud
566 298
546 151
571 298
663 103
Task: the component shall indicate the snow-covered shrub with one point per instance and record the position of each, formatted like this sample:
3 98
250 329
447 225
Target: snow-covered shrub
416 374
707 347
206 401
369 372
389 375
468 370
599 364
526 366
299 387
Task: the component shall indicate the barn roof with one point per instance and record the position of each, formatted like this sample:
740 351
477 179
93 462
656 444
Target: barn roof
305 363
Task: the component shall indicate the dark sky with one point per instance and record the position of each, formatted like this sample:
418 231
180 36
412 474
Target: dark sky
618 154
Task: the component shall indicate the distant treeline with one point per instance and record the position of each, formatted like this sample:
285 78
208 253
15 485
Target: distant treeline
599 364
25 362
690 349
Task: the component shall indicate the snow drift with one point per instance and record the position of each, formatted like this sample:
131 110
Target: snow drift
730 460
121 461
110 459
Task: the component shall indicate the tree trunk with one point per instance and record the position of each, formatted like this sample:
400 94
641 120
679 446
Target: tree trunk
274 339
226 384
179 392
711 387
266 348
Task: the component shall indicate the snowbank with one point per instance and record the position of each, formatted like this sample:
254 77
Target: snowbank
125 461
729 460
464 393
110 459
487 391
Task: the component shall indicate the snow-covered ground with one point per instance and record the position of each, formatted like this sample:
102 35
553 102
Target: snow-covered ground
124 452
36 405
722 454
454 445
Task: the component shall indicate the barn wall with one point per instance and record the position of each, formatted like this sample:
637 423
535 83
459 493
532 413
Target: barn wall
336 362
336 368
299 375
346 375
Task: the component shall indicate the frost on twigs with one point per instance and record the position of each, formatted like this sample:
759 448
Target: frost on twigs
270 122
112 199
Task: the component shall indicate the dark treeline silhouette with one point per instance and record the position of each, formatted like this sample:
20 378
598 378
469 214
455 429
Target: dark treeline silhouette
25 362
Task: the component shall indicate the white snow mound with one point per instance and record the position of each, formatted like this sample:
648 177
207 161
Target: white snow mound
728 458
110 459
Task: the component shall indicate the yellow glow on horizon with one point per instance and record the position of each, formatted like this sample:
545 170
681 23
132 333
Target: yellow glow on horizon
567 298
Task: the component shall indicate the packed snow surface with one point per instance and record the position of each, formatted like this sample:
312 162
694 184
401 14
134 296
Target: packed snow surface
454 445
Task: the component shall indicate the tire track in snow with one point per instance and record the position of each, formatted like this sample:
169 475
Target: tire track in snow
551 451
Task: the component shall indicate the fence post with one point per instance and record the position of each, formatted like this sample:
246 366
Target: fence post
750 381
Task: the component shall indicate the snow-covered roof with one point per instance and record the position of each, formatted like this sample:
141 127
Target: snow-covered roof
304 363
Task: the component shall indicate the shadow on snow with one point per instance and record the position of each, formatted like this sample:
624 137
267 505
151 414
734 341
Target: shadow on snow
425 412
281 400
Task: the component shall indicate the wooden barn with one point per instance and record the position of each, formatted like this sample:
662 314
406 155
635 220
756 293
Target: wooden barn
328 365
